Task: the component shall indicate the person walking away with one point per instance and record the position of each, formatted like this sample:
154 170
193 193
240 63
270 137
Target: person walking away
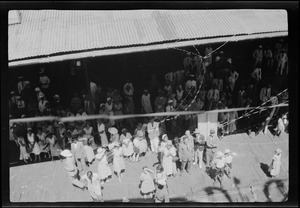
162 195
104 171
78 151
274 168
199 146
228 162
147 184
210 147
153 133
70 167
93 186
118 161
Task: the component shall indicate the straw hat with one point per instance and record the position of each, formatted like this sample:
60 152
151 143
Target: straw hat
140 133
219 154
227 151
161 182
113 130
278 151
66 153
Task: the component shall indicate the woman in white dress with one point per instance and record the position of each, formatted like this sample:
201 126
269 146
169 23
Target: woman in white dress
104 171
274 168
93 186
44 146
119 164
33 144
89 152
51 139
88 133
127 144
102 134
168 164
23 153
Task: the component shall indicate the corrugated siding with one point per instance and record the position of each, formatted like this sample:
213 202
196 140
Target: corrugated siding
47 32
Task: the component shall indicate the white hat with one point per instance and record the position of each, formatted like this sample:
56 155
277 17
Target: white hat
219 154
217 58
170 101
113 130
66 153
140 133
100 150
169 143
37 89
278 151
41 95
102 104
108 99
161 182
56 96
227 151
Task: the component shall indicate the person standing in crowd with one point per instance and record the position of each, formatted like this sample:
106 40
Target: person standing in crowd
88 106
162 195
232 120
114 135
153 134
89 152
75 103
127 144
187 62
104 171
102 133
191 143
268 56
128 92
93 186
109 107
185 155
33 145
179 93
118 161
232 79
199 146
213 97
169 152
282 59
44 146
23 152
274 168
160 102
228 162
256 73
77 150
160 174
258 56
210 147
21 107
21 84
147 184
208 51
168 89
263 94
136 146
118 110
146 102
93 87
218 167
70 167
143 145
280 125
44 82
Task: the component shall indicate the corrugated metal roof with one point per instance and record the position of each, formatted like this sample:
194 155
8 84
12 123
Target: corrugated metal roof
48 32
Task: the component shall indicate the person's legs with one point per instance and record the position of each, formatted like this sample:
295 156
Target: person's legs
196 157
183 164
188 168
200 153
152 145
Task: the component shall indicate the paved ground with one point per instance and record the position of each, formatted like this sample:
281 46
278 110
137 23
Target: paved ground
48 181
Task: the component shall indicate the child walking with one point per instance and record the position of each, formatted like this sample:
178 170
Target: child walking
147 184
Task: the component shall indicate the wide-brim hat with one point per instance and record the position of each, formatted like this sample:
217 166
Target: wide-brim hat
161 182
219 154
23 116
108 99
66 153
278 151
212 131
113 130
227 151
117 144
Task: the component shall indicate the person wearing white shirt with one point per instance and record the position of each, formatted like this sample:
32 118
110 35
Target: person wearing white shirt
146 102
93 186
153 133
213 97
44 81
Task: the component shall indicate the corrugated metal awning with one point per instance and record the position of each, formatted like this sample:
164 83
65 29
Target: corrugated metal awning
55 35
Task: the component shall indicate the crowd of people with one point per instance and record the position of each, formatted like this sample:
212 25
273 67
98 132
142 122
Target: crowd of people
202 84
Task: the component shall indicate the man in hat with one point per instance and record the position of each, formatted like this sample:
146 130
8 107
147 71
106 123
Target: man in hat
153 133
21 84
274 168
185 153
42 103
160 102
109 109
228 162
199 146
210 147
70 167
258 56
78 151
162 194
